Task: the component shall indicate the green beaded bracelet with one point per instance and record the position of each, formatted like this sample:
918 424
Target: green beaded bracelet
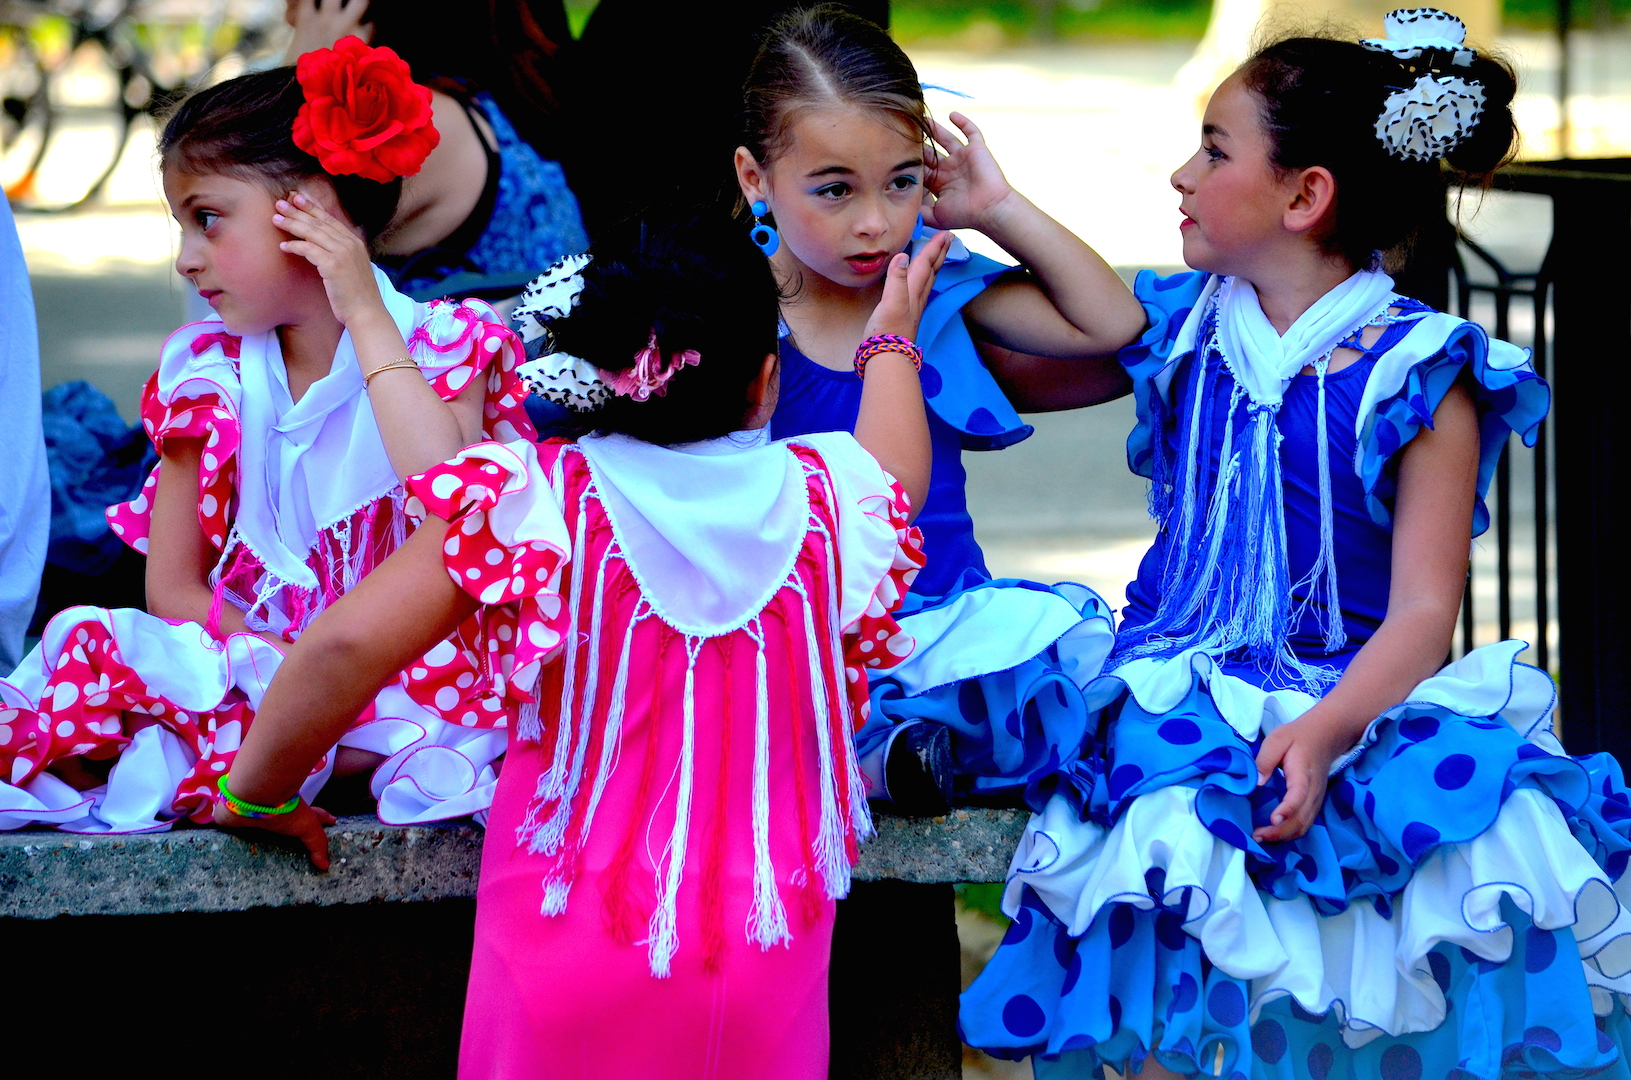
250 810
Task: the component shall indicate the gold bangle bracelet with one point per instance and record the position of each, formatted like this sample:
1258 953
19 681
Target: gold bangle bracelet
403 362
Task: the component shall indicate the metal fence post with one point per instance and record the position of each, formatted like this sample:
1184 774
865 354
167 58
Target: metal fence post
1592 375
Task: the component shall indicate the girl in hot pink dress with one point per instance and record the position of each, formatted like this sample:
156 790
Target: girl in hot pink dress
683 613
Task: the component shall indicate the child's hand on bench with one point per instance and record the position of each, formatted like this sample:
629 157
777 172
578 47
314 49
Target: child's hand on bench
305 823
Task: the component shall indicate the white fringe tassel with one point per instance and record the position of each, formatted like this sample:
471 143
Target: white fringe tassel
547 840
830 850
664 927
859 812
767 918
529 728
559 883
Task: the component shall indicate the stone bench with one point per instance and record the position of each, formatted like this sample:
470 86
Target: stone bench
361 970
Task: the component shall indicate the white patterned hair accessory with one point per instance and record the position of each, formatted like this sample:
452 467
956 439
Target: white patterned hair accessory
1427 120
557 376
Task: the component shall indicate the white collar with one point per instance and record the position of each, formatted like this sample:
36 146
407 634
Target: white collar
1262 360
710 529
308 464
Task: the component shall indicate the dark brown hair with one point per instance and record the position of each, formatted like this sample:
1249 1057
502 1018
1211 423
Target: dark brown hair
1321 99
821 55
245 127
696 281
510 48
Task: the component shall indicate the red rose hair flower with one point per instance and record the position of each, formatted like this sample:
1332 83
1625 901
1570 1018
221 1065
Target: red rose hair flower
363 114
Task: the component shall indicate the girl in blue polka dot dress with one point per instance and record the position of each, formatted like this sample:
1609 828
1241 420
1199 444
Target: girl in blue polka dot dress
841 156
1300 847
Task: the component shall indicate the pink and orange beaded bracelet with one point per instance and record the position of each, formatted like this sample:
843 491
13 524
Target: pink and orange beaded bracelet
879 343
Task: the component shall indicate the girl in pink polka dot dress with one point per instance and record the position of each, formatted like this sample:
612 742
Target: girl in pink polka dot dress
685 612
285 426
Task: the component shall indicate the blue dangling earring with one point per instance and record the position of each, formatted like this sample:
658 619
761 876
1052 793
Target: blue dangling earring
765 238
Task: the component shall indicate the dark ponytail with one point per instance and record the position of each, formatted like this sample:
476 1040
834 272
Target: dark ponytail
245 126
1321 99
696 284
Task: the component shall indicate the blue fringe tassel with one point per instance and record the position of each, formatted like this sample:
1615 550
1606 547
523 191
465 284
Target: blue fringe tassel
1226 587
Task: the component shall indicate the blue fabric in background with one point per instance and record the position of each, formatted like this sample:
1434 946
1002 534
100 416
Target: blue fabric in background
96 460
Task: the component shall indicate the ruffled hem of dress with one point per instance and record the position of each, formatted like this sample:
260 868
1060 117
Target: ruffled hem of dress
1534 1011
1463 742
172 706
1002 664
1345 918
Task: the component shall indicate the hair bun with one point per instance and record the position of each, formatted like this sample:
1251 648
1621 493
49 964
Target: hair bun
1493 140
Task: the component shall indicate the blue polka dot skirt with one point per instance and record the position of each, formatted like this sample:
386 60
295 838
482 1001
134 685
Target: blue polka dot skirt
1459 910
1002 664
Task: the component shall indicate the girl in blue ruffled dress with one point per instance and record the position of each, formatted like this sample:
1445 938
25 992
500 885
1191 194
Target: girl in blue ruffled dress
840 168
1303 847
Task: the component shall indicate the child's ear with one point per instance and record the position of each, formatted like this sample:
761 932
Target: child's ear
1313 199
751 177
329 200
763 392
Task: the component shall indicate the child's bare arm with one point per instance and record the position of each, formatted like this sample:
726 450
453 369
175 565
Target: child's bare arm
418 428
336 668
179 558
892 424
1035 384
1432 520
1074 306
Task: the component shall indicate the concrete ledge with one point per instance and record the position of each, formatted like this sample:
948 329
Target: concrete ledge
965 845
46 874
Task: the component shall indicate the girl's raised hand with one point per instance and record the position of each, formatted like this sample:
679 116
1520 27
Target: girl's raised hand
966 181
337 250
906 289
318 24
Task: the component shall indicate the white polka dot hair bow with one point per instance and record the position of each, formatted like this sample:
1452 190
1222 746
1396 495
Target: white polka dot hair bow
1427 120
552 375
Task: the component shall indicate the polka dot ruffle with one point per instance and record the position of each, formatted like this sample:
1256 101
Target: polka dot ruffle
1136 980
876 642
93 703
210 417
455 343
523 619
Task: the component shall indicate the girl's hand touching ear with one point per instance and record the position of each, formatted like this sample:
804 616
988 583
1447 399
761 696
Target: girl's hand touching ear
906 289
967 183
339 253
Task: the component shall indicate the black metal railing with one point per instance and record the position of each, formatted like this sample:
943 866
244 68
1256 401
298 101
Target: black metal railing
1535 287
1580 297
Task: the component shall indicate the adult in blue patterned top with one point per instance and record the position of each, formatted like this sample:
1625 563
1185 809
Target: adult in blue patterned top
491 207
1301 847
839 160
